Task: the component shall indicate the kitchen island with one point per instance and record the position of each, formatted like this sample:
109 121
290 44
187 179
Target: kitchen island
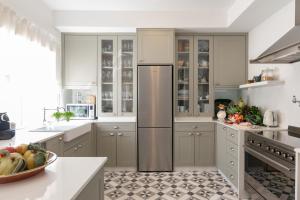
66 178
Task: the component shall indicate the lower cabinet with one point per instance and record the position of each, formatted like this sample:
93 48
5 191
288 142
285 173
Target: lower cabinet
79 147
55 145
227 152
194 145
94 190
117 142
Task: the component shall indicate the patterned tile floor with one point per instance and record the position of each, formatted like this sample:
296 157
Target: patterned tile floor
184 185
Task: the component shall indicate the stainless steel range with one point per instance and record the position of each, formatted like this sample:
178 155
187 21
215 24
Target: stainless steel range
270 163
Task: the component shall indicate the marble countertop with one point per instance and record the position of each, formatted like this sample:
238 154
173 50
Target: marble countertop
233 126
57 182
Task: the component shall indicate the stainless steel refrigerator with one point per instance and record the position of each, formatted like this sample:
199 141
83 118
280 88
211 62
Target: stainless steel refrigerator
155 118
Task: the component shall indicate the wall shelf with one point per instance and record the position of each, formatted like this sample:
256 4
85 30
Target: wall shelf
262 84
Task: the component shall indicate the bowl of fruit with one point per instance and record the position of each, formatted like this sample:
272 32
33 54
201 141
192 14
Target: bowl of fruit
23 161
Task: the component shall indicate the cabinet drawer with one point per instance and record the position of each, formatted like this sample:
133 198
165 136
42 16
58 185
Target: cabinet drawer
103 127
232 135
232 149
232 176
232 164
72 143
191 126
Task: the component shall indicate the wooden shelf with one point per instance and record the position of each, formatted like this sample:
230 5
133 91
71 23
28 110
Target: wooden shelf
262 84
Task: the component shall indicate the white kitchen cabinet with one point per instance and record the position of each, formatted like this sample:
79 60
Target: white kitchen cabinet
80 60
230 60
155 46
117 75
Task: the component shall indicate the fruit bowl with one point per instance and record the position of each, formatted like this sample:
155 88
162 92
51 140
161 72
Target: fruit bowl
28 173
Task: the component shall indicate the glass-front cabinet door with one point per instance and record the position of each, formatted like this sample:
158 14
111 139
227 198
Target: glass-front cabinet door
184 76
107 79
127 75
203 73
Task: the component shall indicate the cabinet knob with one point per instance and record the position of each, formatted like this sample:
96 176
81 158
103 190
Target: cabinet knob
232 135
232 149
60 138
116 127
120 134
224 128
232 163
76 148
198 134
190 134
231 176
111 134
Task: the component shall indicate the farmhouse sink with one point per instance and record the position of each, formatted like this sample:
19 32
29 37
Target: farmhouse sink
71 130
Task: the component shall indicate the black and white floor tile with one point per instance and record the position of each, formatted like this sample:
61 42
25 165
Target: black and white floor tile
187 185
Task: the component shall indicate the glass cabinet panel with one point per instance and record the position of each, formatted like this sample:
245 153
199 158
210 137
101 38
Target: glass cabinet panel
184 71
202 76
107 74
127 74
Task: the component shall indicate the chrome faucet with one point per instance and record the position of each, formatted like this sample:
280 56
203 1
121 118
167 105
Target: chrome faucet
46 109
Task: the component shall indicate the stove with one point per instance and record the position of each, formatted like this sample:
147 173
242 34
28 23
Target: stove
270 162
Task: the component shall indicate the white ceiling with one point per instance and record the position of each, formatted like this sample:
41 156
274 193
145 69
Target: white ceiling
138 5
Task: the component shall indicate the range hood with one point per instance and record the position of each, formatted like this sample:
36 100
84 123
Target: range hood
287 48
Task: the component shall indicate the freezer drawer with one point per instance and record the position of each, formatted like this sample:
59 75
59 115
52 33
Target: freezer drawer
155 149
155 99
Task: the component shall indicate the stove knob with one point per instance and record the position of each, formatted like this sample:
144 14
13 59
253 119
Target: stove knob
284 155
267 148
291 158
278 153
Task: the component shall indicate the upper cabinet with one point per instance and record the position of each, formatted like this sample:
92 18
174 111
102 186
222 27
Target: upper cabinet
194 71
117 75
230 60
155 46
80 60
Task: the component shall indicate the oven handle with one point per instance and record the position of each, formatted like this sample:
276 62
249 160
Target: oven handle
268 160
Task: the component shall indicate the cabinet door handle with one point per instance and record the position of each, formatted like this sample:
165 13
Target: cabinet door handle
190 134
111 134
198 134
116 127
120 134
232 149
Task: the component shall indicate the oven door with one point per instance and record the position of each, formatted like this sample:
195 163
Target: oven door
270 179
80 111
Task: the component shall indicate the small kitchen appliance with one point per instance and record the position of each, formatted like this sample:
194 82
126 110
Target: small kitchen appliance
6 132
270 118
82 111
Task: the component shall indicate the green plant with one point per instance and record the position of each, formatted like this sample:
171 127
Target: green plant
57 115
253 115
68 115
233 109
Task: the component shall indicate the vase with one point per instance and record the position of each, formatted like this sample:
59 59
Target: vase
221 115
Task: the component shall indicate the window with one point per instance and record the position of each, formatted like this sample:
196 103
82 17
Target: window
27 79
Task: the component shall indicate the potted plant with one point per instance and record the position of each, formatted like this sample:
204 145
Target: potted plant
68 115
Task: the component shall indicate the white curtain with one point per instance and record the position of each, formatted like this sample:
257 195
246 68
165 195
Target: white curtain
22 26
27 70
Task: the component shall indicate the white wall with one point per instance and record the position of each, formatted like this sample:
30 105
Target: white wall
278 98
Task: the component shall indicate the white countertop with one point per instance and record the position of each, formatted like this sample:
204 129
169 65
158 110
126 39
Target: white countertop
116 119
64 179
233 126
